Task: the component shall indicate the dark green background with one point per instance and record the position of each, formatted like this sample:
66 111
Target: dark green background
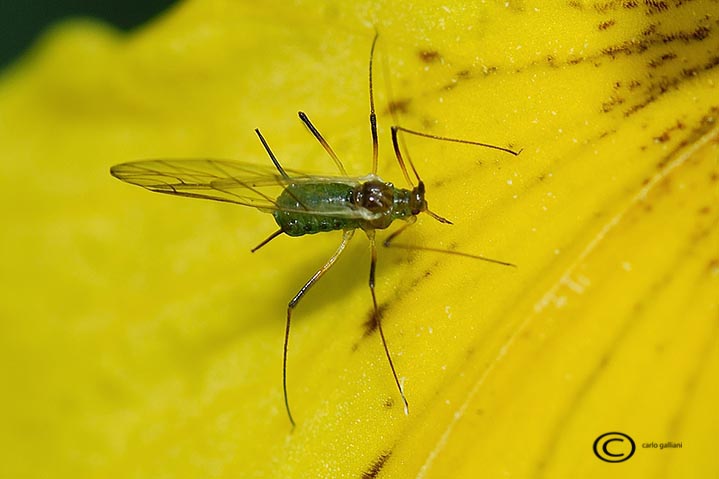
22 21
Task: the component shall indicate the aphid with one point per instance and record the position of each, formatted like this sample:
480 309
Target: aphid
304 204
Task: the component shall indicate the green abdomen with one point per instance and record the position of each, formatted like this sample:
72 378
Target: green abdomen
308 208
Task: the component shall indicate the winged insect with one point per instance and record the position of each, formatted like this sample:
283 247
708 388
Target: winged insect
304 204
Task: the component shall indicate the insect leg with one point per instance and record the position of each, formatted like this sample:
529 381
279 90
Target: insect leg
322 141
389 244
272 156
378 317
346 237
400 160
455 140
398 153
267 240
372 114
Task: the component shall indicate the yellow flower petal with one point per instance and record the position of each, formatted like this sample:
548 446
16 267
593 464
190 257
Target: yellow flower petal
142 339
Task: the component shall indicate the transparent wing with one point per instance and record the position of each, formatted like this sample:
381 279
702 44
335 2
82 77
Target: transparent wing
228 181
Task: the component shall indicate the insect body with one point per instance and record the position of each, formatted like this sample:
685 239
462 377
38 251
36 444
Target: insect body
305 204
377 205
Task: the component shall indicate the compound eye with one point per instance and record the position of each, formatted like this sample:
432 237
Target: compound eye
417 201
419 207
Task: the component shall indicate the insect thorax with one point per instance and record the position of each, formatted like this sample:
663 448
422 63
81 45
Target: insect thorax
309 208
